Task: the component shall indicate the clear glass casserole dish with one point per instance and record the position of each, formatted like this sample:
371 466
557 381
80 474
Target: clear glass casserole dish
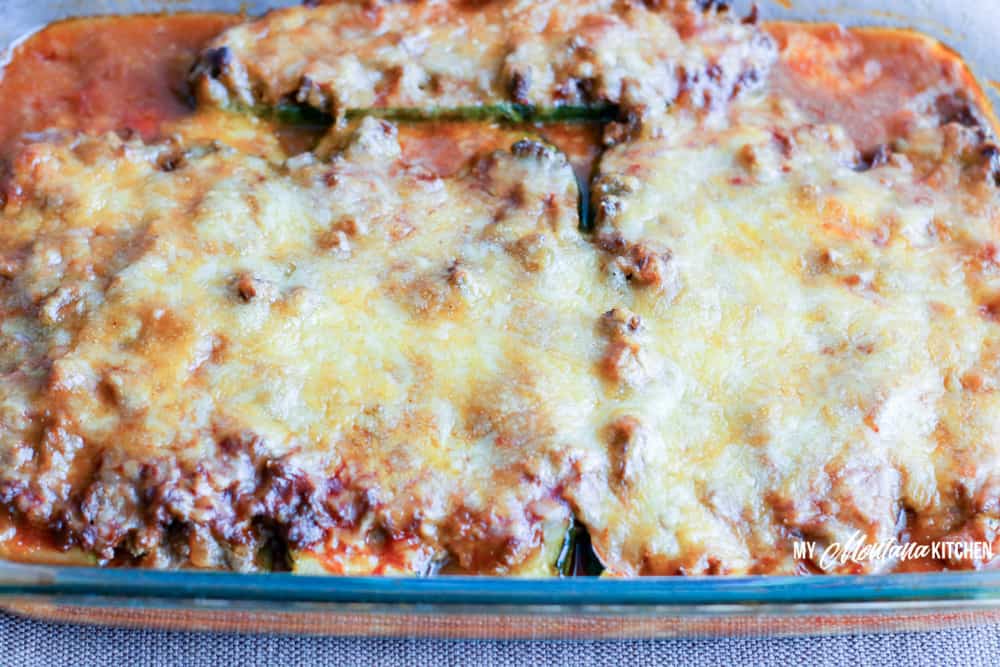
495 607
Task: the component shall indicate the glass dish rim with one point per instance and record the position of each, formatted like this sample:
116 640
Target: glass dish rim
78 582
23 580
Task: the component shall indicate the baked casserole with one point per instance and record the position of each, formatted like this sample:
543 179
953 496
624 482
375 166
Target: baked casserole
500 287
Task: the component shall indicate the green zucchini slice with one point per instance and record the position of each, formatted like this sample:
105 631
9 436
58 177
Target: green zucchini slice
503 112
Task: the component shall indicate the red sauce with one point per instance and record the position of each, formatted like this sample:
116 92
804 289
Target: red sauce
581 142
27 544
101 74
863 78
443 147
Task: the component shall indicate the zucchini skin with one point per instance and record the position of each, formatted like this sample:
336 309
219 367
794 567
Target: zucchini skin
565 564
586 562
506 112
584 209
558 557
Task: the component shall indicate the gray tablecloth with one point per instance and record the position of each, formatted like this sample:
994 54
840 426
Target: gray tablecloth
25 642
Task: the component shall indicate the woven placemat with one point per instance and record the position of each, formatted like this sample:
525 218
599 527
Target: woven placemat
25 642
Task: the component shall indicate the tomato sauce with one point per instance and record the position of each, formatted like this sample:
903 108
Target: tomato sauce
868 79
103 74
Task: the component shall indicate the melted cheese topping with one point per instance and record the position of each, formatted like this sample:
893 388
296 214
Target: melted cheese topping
201 348
812 347
399 353
447 54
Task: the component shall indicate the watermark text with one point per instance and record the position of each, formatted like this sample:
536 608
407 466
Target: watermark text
856 549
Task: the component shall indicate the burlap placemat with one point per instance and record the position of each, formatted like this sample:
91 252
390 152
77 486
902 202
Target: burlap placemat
26 643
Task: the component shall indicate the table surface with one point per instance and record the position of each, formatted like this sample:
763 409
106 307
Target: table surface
26 642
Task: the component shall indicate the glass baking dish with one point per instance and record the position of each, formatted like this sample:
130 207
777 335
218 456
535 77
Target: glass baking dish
583 607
